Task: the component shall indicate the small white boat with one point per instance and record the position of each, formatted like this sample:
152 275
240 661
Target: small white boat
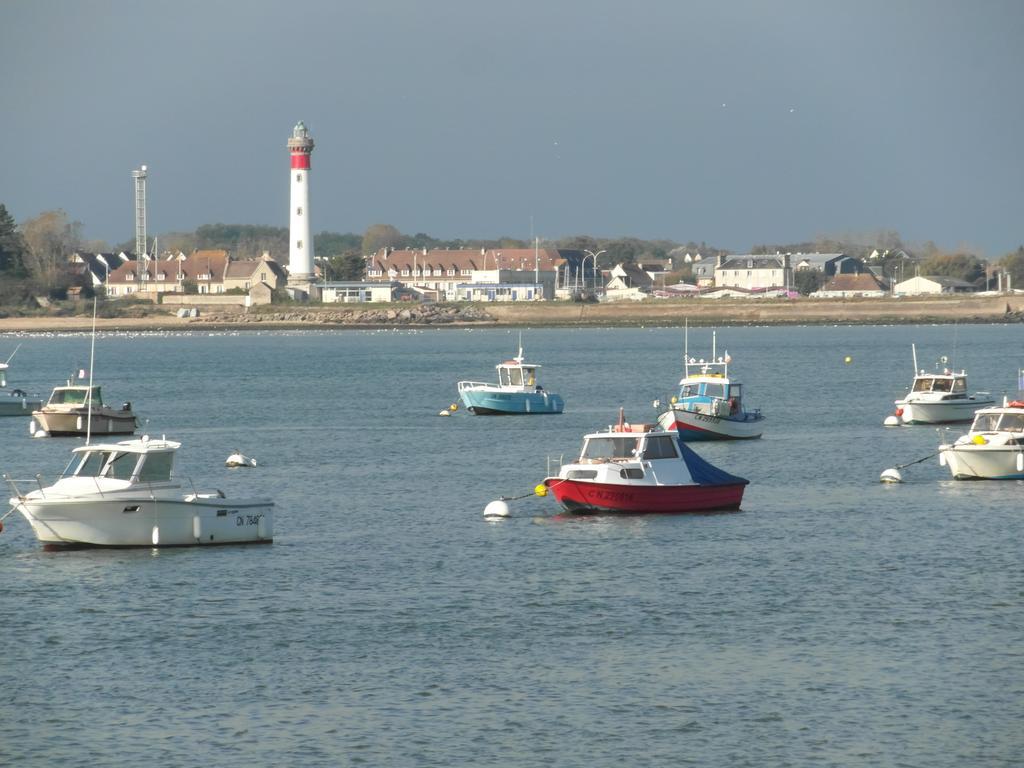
993 449
78 409
15 402
125 494
938 398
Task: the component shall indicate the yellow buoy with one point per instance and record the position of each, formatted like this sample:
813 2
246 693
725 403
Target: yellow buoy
453 407
540 489
979 440
847 359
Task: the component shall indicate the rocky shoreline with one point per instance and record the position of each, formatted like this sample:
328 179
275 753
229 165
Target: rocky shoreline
415 314
720 312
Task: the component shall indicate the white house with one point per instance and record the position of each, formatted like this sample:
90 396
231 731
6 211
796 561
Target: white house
935 284
754 271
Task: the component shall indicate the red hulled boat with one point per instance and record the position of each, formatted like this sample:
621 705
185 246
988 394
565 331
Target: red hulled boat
639 468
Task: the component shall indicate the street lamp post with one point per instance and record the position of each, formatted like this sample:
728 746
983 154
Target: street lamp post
584 265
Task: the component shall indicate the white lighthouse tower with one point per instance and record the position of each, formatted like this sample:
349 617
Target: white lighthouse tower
300 247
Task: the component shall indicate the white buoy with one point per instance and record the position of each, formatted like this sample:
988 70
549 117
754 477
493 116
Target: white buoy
444 413
197 528
891 421
156 536
891 476
496 510
239 460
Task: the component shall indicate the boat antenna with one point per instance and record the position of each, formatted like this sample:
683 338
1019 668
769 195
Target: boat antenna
92 358
913 351
13 354
714 343
519 357
952 357
686 339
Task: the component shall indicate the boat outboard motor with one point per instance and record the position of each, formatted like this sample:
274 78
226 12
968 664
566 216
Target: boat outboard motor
126 406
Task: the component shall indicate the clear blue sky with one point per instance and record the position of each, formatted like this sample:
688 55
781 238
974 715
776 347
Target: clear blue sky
735 123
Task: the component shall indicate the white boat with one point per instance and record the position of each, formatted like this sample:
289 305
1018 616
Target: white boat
78 409
993 449
940 397
125 494
15 402
709 405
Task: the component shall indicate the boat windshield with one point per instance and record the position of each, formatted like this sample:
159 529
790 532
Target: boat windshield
510 377
707 389
75 396
660 447
113 464
930 384
610 447
1012 422
985 422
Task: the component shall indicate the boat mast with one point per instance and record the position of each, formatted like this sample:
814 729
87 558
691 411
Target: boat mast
913 350
92 358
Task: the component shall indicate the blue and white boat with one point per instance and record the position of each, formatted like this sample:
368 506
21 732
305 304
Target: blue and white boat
518 391
709 405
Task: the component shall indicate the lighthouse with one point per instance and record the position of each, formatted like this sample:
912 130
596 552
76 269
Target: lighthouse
300 246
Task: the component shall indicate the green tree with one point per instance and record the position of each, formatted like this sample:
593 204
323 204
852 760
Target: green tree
807 281
329 244
50 238
347 266
379 236
1013 263
962 266
12 247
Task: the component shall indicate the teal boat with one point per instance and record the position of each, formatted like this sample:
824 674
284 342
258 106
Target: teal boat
518 391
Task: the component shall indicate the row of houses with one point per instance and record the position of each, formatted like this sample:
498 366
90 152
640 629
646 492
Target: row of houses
511 274
203 272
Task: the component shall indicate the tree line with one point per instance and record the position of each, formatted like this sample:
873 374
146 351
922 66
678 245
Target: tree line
34 256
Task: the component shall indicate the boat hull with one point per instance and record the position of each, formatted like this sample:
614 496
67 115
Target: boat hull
494 403
695 427
140 521
18 406
983 462
940 412
73 423
590 497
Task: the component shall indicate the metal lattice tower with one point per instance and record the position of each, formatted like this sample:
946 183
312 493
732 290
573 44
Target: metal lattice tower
140 211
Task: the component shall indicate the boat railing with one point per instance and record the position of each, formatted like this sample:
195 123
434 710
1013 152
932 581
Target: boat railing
556 462
474 384
12 483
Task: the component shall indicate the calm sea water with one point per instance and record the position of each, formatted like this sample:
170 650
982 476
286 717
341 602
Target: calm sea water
833 621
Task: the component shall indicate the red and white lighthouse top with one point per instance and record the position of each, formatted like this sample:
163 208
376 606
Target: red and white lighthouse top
300 145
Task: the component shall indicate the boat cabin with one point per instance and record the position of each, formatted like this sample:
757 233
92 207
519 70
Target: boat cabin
644 445
513 373
998 421
955 383
74 395
142 461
